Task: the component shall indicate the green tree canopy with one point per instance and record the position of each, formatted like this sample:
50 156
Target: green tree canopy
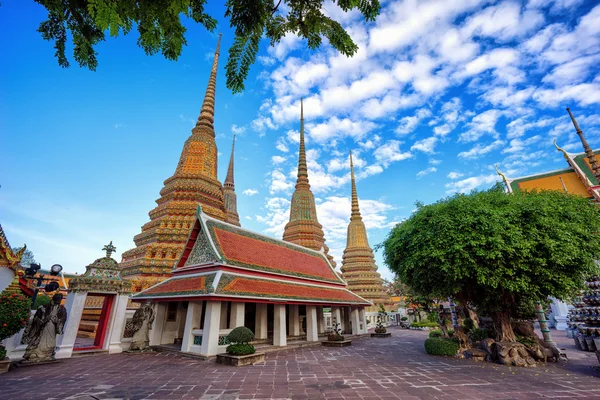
159 26
497 251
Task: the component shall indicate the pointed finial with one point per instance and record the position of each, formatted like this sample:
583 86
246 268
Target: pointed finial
588 150
109 248
207 112
561 150
355 208
229 178
302 165
504 179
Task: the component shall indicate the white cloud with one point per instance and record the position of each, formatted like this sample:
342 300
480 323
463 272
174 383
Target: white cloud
427 171
425 145
455 175
468 184
479 150
390 152
278 160
336 128
250 192
279 182
409 123
238 130
281 145
481 124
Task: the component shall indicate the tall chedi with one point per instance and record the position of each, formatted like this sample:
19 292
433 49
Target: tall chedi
358 262
304 228
229 196
195 181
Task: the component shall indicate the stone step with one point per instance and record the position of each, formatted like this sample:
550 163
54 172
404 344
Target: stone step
88 326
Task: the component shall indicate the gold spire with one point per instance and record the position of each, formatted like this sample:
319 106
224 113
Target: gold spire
355 210
358 262
588 151
229 178
207 112
303 227
229 196
302 165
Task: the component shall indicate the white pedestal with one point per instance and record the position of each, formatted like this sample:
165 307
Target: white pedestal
312 334
560 311
210 333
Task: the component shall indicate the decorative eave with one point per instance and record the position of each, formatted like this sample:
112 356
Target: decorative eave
103 275
13 259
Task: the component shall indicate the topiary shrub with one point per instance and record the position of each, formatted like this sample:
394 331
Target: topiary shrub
432 317
381 317
404 319
435 333
336 334
239 339
441 347
478 335
14 314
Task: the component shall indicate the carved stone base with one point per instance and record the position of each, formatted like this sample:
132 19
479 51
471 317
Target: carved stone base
25 363
512 353
4 365
238 361
387 334
341 343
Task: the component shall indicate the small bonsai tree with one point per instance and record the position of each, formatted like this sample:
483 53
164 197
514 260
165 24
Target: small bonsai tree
381 317
14 314
336 334
240 339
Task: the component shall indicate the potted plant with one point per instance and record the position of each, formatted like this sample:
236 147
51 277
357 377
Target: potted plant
240 351
335 338
14 314
380 329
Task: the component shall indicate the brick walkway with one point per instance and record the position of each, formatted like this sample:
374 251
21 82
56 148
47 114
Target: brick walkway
390 368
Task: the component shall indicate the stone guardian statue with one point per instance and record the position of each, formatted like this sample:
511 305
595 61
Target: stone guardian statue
142 320
40 334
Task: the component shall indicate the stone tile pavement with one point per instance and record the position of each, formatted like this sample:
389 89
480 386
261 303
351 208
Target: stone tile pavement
372 368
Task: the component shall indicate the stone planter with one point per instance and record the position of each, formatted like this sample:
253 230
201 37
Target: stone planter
387 334
590 344
238 361
4 365
339 343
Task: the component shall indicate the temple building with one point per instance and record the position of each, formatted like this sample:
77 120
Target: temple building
303 227
581 177
9 264
194 182
358 262
228 276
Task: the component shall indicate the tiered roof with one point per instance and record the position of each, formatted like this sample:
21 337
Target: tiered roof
224 261
161 241
303 227
358 262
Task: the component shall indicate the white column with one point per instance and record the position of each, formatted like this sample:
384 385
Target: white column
320 320
363 320
74 305
312 334
160 315
560 311
236 317
336 317
261 321
115 329
210 333
279 331
192 321
355 318
294 320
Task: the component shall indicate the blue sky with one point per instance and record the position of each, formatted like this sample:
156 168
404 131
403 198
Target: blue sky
439 92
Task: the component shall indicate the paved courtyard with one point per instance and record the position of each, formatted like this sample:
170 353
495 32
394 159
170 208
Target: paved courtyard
390 368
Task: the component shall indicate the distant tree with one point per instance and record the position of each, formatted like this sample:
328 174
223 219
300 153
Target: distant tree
28 257
158 23
498 251
395 287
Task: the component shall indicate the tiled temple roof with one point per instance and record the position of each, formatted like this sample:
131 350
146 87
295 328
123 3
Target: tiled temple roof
233 285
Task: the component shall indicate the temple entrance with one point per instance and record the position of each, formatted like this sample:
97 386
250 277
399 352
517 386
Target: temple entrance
94 322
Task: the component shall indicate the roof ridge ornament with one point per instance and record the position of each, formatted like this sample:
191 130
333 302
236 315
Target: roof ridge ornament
504 178
109 248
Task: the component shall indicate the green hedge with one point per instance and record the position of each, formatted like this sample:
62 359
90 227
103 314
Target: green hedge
441 347
426 324
240 349
435 333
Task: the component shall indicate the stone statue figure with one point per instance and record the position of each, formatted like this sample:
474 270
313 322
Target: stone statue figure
40 334
142 320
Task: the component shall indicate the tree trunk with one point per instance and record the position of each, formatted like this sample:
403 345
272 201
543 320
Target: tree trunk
503 327
473 316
